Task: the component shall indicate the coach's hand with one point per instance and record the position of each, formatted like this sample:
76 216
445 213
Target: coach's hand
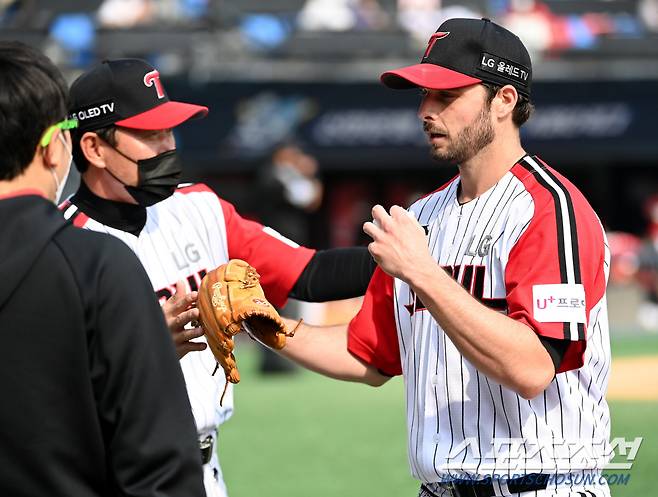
180 310
399 243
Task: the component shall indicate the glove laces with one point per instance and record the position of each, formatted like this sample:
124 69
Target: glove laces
251 279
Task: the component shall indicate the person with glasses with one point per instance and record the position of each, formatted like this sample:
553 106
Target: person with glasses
88 363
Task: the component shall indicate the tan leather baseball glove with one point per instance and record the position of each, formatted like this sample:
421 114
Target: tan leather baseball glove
231 300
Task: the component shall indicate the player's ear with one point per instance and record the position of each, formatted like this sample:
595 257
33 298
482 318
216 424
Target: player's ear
504 102
93 148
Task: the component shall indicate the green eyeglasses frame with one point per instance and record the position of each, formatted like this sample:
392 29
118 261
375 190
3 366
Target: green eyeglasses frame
63 125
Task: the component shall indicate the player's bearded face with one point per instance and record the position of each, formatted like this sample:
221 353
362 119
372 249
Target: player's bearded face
467 142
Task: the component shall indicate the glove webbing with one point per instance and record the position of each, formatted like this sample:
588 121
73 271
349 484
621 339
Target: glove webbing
221 399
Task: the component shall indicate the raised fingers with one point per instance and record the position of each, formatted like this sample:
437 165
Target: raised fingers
186 335
380 216
371 229
398 212
181 319
380 219
180 301
184 344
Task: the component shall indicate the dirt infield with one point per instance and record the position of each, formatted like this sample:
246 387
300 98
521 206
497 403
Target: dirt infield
634 378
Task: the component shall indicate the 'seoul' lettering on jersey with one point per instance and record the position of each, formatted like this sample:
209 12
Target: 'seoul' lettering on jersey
193 280
471 278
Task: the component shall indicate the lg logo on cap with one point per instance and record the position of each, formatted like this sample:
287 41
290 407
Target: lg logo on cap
153 79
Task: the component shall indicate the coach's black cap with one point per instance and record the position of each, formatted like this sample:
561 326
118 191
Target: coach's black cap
464 52
129 93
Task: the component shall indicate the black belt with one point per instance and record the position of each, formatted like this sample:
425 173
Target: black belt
485 488
206 449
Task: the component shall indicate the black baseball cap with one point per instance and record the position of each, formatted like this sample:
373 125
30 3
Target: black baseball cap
129 93
464 52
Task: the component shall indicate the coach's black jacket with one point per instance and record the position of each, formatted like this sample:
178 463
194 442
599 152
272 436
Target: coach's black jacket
93 399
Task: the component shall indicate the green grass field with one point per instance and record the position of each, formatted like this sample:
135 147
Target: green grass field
635 345
304 435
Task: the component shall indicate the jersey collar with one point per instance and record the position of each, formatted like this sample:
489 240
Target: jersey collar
119 215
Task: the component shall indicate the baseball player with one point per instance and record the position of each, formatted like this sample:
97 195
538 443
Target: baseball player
490 292
126 153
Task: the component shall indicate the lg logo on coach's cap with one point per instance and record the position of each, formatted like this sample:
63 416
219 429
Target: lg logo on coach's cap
153 79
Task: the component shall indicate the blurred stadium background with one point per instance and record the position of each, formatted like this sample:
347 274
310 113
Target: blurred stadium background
302 136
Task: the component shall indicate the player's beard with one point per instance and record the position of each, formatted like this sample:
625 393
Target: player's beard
468 142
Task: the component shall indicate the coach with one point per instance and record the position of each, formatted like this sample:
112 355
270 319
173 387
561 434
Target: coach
126 152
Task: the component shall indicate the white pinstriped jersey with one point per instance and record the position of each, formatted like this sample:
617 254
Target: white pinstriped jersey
186 235
532 247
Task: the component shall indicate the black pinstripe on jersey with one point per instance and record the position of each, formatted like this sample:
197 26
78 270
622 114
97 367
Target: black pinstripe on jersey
568 255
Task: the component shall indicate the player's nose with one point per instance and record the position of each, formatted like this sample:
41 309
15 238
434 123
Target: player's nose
427 111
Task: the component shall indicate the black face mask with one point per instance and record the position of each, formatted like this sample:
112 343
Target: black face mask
158 177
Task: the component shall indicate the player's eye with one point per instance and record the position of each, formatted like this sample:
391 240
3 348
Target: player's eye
423 92
446 95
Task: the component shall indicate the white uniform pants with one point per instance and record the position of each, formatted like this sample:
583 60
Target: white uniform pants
213 479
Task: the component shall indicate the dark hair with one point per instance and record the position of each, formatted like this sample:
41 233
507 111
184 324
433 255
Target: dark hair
106 134
522 110
34 96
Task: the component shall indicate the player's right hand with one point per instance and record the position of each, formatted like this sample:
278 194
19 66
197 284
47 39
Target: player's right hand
399 244
179 310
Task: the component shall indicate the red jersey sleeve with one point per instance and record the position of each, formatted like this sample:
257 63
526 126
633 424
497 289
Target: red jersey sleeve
279 261
372 334
555 274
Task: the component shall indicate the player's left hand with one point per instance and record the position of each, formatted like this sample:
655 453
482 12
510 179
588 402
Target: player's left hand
399 243
179 310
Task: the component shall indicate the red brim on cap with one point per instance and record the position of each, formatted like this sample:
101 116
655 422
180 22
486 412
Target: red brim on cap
165 116
426 76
